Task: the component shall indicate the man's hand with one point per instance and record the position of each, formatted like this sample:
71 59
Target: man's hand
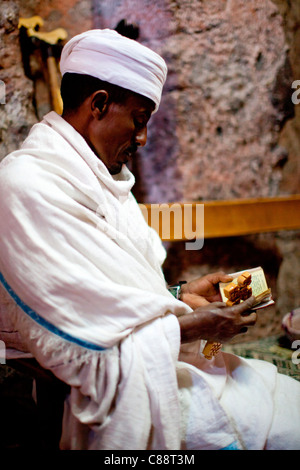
203 290
216 322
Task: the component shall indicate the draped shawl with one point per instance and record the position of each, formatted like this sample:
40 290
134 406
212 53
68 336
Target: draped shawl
80 262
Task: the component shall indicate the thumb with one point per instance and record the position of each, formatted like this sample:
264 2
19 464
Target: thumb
247 305
225 277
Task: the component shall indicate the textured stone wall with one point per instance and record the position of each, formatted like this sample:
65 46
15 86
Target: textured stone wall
290 135
16 113
227 127
226 99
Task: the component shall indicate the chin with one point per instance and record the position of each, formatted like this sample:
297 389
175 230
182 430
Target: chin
115 170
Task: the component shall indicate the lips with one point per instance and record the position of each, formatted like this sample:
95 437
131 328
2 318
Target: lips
131 150
129 153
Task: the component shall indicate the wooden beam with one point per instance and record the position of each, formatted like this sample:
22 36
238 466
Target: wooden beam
183 221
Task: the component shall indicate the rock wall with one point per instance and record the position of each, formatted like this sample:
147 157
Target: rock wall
16 110
290 135
288 281
227 97
227 127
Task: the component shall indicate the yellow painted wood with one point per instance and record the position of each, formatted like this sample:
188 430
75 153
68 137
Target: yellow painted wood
56 99
182 221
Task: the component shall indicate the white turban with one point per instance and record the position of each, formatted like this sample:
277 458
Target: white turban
109 56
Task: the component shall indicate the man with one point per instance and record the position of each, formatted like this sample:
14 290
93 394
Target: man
83 284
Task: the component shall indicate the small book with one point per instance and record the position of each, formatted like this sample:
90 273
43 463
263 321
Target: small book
244 284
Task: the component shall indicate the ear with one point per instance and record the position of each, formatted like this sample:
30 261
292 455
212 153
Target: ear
99 103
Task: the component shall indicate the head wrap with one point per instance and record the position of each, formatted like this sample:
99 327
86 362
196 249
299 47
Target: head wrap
109 56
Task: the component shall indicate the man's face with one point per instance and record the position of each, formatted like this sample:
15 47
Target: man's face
116 137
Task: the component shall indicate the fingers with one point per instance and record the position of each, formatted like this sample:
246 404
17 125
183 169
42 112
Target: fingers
247 317
219 276
210 306
250 319
244 307
217 305
225 277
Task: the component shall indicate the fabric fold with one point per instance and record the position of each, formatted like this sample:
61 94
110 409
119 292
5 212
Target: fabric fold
76 250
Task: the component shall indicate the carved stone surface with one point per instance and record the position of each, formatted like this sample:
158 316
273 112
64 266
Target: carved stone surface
16 112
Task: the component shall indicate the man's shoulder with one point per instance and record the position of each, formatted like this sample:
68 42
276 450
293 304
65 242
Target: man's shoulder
25 156
40 155
18 171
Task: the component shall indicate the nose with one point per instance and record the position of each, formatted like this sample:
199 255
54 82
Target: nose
141 137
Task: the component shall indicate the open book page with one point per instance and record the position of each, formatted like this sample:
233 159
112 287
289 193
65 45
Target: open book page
259 289
258 285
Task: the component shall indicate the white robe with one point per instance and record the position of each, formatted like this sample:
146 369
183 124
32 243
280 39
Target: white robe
83 289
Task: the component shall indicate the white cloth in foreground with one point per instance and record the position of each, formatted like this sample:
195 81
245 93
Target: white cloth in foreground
91 305
109 56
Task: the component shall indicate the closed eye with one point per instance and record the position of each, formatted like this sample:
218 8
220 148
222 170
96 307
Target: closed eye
141 120
140 123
